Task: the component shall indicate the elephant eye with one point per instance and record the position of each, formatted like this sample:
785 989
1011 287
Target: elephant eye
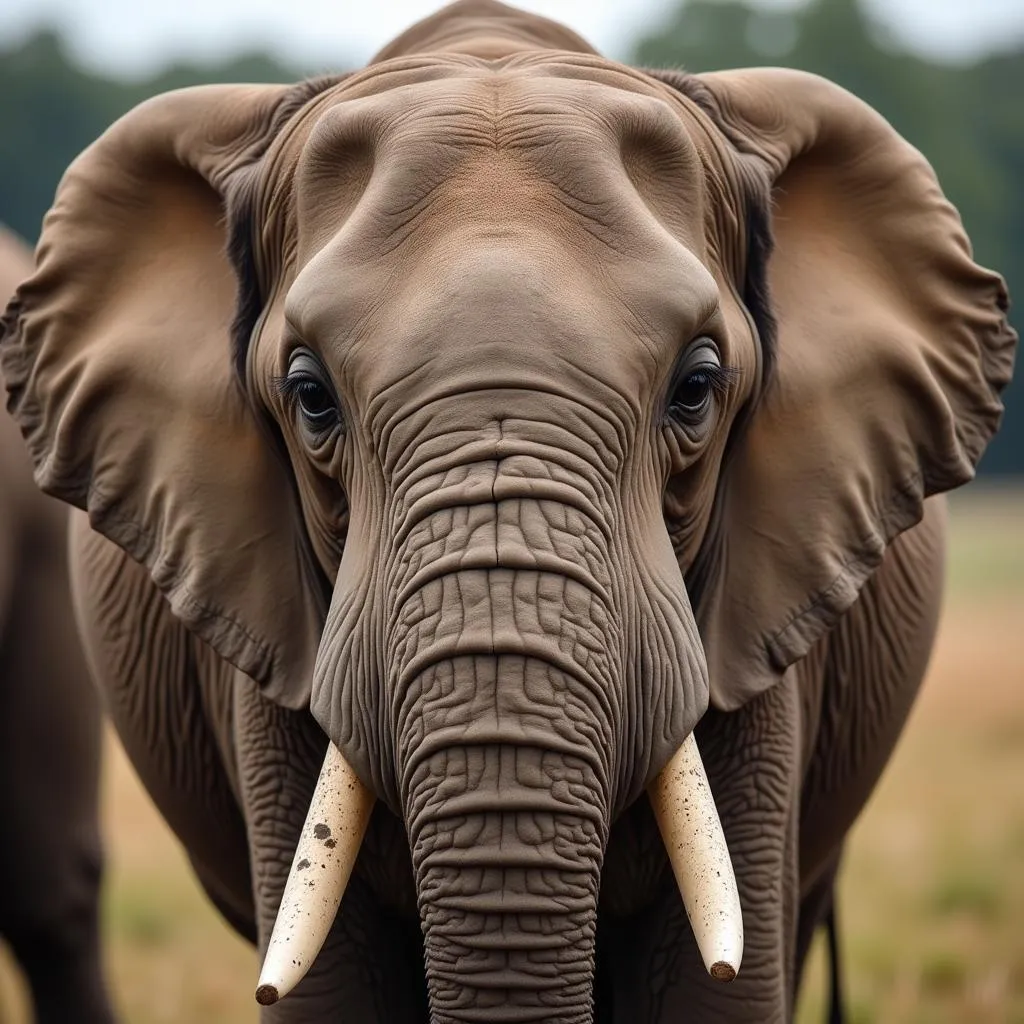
305 386
693 395
314 400
698 380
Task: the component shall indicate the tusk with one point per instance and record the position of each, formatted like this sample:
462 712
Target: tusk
692 833
327 850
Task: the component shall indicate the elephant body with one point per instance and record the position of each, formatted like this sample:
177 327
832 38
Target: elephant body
50 738
485 425
790 772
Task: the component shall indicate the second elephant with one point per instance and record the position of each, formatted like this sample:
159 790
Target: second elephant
51 856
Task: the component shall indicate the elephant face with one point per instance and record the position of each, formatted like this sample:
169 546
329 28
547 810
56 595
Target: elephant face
501 336
460 400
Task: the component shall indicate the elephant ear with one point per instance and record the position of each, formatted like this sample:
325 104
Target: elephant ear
118 361
892 349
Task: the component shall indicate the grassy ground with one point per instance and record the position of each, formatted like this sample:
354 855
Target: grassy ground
932 897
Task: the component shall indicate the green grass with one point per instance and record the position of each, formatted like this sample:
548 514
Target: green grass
963 893
987 557
142 915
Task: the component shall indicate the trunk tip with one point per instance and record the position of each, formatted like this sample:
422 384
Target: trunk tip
267 995
722 971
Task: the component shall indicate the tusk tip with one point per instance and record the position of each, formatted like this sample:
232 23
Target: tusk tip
722 971
267 995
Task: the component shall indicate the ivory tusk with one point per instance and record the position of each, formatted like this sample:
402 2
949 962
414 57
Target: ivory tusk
692 832
326 851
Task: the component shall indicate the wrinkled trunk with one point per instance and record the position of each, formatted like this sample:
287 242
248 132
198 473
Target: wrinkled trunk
506 721
503 661
507 845
508 715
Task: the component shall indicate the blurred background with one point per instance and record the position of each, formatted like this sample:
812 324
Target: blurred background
932 899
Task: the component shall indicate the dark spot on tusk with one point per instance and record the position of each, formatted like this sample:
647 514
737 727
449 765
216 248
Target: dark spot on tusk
321 831
722 971
330 843
302 865
266 995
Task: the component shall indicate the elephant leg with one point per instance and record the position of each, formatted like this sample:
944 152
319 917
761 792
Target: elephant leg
370 970
51 862
649 962
51 856
169 698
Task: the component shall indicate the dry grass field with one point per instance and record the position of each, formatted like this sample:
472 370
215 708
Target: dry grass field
932 897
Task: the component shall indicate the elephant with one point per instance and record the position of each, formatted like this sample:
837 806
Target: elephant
474 454
51 860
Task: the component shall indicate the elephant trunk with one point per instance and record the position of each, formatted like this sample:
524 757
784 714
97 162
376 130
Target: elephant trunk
506 715
509 700
507 838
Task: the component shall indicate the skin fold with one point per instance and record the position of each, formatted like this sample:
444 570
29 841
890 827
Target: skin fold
51 858
503 415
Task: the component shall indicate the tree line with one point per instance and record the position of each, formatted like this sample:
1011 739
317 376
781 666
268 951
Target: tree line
967 118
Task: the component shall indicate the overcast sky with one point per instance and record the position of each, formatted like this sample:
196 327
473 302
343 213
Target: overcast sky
136 36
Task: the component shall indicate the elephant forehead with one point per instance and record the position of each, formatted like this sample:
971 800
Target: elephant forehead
500 145
514 194
481 304
502 319
498 105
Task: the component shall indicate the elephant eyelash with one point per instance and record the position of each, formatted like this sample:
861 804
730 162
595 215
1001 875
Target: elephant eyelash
721 378
286 386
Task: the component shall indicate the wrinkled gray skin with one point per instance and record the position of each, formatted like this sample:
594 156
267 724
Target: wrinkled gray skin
233 773
477 581
51 855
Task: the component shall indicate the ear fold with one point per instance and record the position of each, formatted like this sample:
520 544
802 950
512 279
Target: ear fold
892 349
117 355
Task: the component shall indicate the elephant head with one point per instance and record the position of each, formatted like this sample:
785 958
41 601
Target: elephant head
503 405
